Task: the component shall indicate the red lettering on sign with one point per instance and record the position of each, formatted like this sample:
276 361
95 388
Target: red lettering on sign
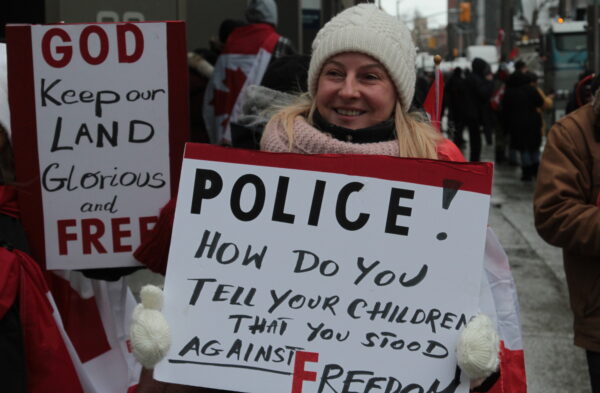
300 374
93 236
65 51
118 234
84 44
138 38
90 237
63 236
60 54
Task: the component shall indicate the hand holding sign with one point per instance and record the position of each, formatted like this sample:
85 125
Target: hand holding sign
149 331
477 348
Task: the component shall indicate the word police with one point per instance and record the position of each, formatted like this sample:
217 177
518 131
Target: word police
208 184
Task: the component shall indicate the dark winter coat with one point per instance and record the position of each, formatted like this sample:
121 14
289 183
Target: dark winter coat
12 350
478 92
454 94
520 117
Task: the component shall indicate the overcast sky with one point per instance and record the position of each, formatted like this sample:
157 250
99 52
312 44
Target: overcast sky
434 8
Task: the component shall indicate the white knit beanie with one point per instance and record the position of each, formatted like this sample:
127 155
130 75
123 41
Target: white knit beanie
366 29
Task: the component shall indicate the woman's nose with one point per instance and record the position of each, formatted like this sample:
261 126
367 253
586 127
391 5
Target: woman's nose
350 88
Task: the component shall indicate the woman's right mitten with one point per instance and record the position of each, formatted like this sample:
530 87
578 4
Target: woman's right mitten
149 332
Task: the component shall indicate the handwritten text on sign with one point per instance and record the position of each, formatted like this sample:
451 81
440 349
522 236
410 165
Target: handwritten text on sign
285 279
102 127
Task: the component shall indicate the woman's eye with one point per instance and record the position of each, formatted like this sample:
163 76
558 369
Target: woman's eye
372 76
333 73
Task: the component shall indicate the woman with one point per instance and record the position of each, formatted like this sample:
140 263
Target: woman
521 118
361 81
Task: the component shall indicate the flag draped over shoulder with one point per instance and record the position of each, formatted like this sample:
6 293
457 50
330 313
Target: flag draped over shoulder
243 62
499 301
49 366
433 101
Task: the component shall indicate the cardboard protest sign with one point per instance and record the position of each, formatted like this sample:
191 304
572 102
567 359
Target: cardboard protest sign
99 118
322 273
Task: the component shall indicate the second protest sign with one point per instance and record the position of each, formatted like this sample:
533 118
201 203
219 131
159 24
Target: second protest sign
99 119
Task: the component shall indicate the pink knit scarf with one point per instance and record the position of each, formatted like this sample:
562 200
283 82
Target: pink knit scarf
309 140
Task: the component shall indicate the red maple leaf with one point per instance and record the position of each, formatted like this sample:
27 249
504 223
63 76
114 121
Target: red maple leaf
223 101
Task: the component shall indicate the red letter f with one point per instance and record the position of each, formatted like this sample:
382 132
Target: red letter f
299 373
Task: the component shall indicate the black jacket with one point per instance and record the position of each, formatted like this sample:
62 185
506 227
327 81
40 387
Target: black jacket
478 93
520 117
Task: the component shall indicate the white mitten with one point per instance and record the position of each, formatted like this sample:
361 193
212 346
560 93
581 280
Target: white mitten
149 332
478 348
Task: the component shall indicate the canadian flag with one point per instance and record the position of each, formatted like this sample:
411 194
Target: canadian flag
243 62
49 368
499 301
94 318
433 101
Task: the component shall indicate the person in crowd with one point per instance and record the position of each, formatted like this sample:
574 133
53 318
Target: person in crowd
547 99
243 61
201 63
284 79
521 118
12 356
476 103
520 68
217 44
566 207
500 137
48 318
29 335
580 94
454 93
199 73
423 83
361 82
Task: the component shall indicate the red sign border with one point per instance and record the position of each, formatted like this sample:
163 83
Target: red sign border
412 170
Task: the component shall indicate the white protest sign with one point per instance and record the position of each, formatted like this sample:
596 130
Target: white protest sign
322 273
93 128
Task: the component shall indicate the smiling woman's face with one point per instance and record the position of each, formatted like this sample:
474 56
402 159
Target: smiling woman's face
355 91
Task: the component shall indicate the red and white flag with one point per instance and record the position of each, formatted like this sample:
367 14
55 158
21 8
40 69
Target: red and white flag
49 368
433 101
499 301
243 62
94 318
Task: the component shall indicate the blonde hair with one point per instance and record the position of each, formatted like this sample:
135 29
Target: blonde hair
416 138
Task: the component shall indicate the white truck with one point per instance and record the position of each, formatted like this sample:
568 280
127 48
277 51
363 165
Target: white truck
489 53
